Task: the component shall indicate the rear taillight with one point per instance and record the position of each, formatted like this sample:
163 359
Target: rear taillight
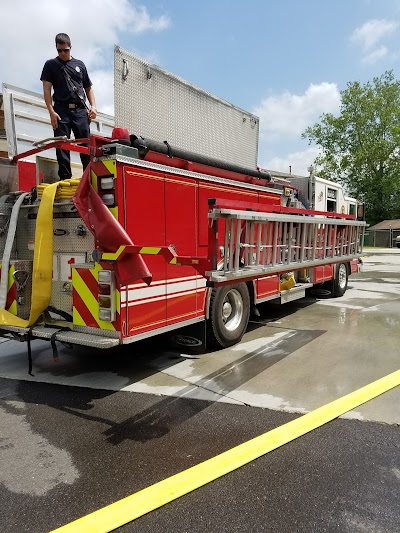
107 186
109 199
106 295
106 182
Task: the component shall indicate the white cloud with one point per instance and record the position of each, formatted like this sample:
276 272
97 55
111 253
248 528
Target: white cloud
27 39
103 83
290 114
375 55
297 162
369 36
371 33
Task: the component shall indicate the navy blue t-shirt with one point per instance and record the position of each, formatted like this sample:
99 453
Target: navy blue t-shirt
53 72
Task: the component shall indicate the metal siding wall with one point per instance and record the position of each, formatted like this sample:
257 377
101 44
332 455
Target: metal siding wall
154 103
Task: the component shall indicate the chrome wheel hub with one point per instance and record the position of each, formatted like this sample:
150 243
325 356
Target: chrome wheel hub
232 310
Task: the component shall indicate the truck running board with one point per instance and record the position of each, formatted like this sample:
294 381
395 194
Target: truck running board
290 295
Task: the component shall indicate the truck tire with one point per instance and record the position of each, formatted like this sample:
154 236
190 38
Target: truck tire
339 283
228 315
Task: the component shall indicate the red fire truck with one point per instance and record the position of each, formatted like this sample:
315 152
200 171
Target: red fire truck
153 238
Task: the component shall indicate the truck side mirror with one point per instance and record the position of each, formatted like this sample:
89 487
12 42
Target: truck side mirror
360 211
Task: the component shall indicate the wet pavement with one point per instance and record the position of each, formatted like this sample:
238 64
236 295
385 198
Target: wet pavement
96 427
294 357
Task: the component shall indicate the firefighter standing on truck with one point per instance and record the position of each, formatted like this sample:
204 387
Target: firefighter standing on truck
71 84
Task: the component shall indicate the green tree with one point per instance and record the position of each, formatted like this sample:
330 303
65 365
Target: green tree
360 146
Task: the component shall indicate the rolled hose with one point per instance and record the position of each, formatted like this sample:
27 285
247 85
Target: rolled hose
42 274
144 145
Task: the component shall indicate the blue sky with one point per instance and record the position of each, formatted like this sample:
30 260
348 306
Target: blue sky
285 61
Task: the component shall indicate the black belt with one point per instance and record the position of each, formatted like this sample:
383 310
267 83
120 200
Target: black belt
70 105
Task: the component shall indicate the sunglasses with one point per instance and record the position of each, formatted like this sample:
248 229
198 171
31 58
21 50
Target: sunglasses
59 50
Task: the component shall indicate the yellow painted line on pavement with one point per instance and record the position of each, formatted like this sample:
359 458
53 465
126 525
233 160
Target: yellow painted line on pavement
138 504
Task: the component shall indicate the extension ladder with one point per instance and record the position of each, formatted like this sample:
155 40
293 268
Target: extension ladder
257 243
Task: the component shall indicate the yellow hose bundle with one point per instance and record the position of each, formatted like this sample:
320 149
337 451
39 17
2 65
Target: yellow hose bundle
42 262
65 191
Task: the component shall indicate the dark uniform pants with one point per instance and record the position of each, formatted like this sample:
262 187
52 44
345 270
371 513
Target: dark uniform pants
77 121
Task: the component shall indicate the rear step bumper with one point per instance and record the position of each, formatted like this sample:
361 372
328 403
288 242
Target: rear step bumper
69 337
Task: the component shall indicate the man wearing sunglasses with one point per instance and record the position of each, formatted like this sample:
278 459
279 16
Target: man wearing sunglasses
67 106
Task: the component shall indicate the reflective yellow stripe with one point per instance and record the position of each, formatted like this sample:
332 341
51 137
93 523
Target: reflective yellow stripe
90 300
13 309
42 263
114 211
76 318
144 250
110 166
93 180
150 250
117 301
123 511
112 256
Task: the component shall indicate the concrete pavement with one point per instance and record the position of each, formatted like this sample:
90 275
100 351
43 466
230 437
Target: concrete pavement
96 427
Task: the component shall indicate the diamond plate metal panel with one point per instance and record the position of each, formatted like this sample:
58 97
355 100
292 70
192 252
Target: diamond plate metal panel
293 294
156 104
71 240
24 292
5 213
97 331
70 337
